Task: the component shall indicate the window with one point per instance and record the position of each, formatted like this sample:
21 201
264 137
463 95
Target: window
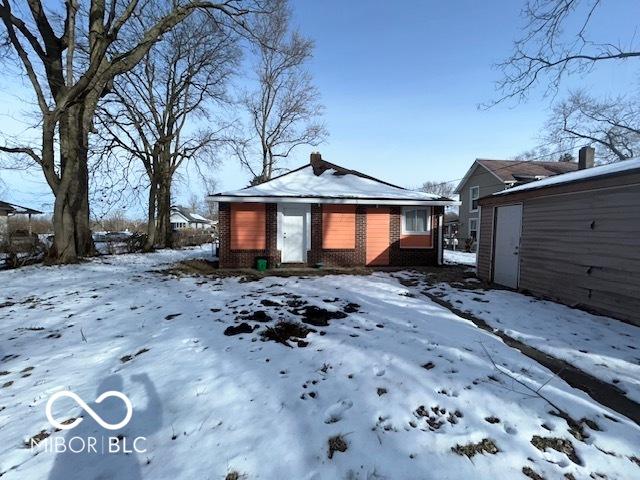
473 228
474 194
416 221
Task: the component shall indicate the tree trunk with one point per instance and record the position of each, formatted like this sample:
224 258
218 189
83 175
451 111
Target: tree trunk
164 237
151 217
72 233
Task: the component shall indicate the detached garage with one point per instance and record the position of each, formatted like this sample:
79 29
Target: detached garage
573 237
324 214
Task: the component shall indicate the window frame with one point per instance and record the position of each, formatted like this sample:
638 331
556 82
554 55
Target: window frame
403 221
471 199
476 229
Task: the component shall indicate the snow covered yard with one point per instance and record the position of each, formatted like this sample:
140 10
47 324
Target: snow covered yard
453 257
367 380
604 347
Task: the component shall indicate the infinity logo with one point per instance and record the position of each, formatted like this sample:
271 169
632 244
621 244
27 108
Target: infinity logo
89 410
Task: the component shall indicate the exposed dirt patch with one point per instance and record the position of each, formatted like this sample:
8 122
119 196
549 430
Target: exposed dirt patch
492 419
234 476
561 445
337 444
257 316
37 438
531 473
381 391
202 267
351 308
44 434
471 449
428 365
317 316
285 332
128 358
238 329
270 303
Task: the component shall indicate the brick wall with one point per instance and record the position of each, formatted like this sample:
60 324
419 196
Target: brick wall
330 258
247 258
337 257
406 257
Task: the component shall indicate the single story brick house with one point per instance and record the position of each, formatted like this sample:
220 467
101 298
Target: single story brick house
573 237
324 214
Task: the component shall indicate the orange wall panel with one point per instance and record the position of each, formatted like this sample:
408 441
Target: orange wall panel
416 241
248 226
339 226
378 236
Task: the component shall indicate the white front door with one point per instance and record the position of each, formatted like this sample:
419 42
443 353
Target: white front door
506 253
293 234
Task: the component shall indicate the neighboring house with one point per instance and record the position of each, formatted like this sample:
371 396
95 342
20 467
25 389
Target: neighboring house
181 219
9 209
4 224
450 230
489 176
573 237
324 214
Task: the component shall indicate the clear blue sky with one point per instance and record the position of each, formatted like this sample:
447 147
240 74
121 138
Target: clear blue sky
401 82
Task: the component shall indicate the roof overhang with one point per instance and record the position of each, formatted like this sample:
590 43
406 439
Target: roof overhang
472 169
331 200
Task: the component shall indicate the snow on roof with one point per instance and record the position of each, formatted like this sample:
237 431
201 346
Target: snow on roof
326 180
14 209
200 217
192 217
578 175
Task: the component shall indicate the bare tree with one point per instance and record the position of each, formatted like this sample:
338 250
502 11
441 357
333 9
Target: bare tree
445 189
284 110
71 54
612 124
556 42
156 104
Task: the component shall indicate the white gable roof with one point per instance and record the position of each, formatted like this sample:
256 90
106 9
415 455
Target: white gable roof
576 176
333 185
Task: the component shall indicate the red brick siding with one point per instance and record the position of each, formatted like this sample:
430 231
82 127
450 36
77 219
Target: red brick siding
406 257
230 258
333 257
337 257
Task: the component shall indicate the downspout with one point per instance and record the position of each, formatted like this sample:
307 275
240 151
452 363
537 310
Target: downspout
479 235
440 247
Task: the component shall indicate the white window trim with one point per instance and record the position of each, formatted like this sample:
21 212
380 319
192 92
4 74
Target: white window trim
477 225
403 229
471 199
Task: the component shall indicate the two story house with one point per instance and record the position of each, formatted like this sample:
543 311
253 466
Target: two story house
486 177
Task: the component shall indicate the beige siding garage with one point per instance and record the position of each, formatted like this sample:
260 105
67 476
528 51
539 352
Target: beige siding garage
584 249
580 241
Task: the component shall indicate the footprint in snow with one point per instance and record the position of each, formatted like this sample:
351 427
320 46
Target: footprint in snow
379 372
336 411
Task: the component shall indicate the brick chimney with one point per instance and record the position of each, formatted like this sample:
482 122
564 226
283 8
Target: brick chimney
585 157
315 158
319 166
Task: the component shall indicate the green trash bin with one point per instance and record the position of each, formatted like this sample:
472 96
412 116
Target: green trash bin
261 264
